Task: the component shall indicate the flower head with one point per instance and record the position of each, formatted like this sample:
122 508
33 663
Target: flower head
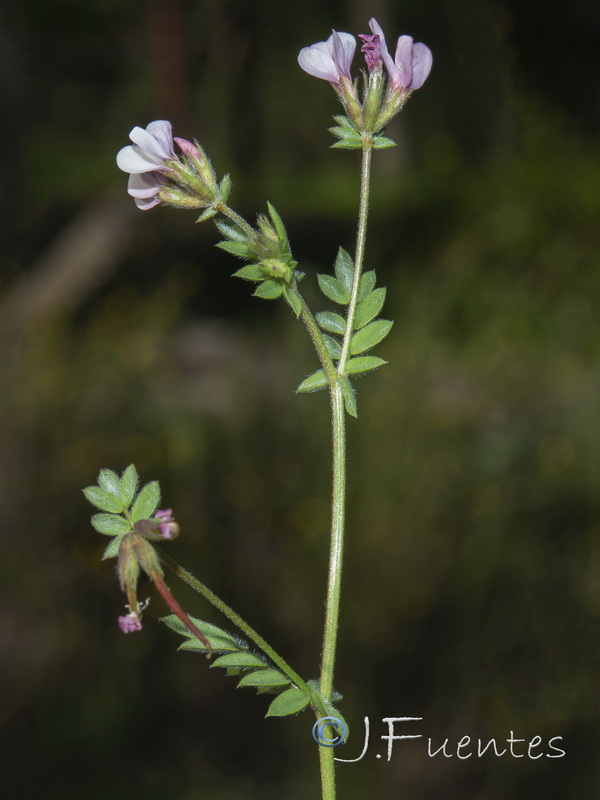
329 60
409 68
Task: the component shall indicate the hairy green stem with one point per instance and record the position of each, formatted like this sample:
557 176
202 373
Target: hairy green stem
236 218
361 237
327 767
317 339
338 499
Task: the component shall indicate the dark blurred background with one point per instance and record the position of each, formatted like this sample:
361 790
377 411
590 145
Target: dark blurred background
472 580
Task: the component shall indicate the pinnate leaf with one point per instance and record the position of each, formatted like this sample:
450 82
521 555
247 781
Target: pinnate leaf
369 308
349 397
369 336
146 502
289 702
363 364
112 548
217 643
219 639
109 481
236 658
334 348
106 501
129 483
367 284
314 382
329 321
241 659
344 269
333 289
264 677
110 524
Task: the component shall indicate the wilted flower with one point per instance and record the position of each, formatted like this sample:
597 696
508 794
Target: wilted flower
372 50
411 64
130 623
329 60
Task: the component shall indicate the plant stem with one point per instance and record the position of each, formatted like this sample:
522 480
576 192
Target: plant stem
361 237
327 767
317 339
240 623
236 218
338 499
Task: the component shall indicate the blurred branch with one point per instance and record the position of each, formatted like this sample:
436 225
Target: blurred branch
80 259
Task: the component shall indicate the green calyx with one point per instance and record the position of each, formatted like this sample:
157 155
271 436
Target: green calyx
267 247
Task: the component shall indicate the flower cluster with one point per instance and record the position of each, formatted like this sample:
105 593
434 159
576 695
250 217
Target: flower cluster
158 175
390 80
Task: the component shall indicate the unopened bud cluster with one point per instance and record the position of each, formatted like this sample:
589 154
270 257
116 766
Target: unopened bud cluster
267 248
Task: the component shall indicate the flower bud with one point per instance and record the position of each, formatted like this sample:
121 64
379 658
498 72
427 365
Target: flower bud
200 164
161 526
277 268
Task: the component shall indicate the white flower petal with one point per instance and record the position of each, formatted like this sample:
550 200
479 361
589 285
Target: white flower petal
145 185
318 61
147 142
146 205
344 45
134 159
162 131
421 64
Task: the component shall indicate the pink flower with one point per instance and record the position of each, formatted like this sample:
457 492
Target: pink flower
329 60
411 64
169 529
130 623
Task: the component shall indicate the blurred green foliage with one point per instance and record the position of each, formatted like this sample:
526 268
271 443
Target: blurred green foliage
472 582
